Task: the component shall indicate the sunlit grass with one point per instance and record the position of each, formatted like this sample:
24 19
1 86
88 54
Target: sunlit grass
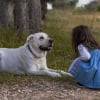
59 25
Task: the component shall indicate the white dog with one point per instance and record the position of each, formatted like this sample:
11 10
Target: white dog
29 58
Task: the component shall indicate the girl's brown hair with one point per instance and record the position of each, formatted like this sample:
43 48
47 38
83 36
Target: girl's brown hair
82 35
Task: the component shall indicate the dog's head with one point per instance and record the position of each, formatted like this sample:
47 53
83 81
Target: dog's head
40 41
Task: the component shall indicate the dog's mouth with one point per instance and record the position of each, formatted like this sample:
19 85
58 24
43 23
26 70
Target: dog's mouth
46 48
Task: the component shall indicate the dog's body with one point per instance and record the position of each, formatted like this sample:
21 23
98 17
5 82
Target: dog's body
29 58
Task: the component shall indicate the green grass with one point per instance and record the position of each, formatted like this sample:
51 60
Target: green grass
9 38
58 24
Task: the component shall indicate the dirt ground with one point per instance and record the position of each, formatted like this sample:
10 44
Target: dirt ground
46 89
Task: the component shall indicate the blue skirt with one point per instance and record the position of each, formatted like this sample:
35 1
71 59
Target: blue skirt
88 72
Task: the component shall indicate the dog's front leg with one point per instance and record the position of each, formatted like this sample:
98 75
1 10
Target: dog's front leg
61 72
65 73
43 72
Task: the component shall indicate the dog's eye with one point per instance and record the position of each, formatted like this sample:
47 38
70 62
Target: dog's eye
41 38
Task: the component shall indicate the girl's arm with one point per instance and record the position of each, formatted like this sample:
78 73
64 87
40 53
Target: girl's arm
84 54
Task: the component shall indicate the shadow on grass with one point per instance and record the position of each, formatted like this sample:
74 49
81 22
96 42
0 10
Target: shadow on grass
13 78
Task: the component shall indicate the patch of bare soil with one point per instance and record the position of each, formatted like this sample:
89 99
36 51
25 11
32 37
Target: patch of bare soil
46 89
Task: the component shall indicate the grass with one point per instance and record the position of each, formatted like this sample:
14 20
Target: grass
58 24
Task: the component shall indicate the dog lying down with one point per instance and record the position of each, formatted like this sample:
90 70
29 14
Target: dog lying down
30 58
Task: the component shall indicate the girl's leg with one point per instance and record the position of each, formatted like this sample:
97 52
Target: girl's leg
73 64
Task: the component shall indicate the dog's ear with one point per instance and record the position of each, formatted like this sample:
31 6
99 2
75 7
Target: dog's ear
29 38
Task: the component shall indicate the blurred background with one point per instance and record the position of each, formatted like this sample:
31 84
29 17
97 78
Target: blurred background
19 18
28 15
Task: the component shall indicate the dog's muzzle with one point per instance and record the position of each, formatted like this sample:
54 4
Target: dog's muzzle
49 47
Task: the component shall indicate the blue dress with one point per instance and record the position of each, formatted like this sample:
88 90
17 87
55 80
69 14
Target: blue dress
88 72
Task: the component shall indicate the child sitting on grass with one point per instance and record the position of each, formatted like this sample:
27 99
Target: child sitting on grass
86 67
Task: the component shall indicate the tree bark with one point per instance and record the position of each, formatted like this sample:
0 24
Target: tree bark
20 15
4 13
34 13
43 8
25 14
10 12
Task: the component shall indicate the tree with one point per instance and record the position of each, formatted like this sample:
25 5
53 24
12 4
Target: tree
64 3
43 8
34 14
20 15
25 14
3 13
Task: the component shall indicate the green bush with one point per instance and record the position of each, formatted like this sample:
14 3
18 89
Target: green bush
98 8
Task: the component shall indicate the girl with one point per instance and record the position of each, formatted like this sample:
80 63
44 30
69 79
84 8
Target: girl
86 67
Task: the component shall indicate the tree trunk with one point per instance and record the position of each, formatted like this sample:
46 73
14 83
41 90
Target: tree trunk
10 12
43 8
26 14
34 12
4 13
20 15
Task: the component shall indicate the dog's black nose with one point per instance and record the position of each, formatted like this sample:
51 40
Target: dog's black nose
50 41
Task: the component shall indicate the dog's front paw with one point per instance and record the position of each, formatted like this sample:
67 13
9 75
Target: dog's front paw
65 73
56 75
